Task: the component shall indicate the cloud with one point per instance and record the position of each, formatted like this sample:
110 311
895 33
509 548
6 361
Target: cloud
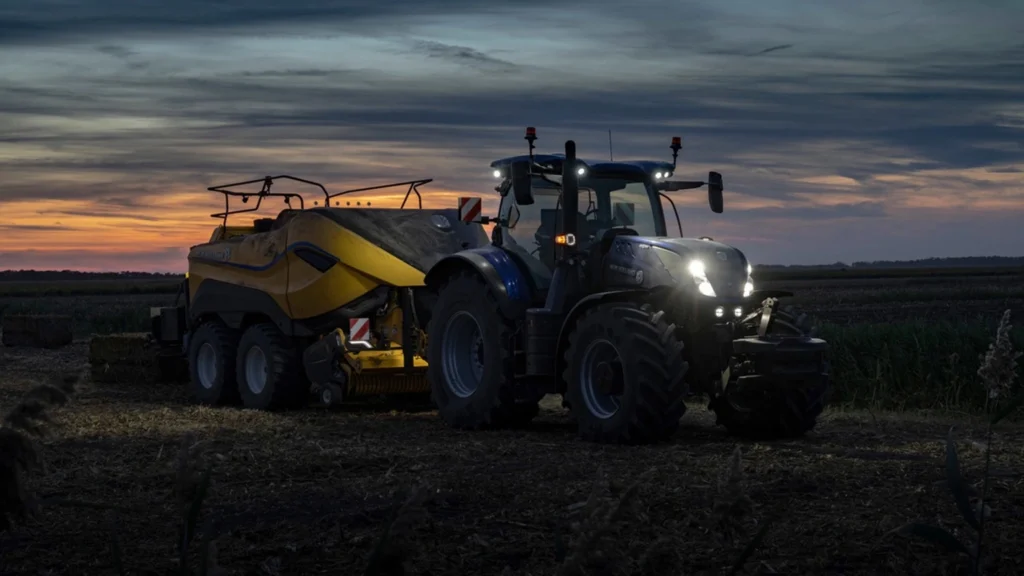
36 21
773 49
462 55
849 112
35 228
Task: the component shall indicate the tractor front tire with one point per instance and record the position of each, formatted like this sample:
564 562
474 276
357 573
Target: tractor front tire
269 370
781 413
211 365
470 359
625 375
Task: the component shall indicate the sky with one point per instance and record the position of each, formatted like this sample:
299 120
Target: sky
845 131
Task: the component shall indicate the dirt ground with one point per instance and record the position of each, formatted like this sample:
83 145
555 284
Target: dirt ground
312 492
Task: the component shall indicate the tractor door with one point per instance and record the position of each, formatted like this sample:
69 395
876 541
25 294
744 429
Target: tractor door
530 235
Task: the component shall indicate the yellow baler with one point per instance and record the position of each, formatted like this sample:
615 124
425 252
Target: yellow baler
326 297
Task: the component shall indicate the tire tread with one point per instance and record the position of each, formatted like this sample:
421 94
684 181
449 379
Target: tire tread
660 381
503 410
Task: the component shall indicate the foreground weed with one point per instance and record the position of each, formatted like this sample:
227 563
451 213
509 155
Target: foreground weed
191 486
596 546
603 516
997 374
397 543
731 506
30 420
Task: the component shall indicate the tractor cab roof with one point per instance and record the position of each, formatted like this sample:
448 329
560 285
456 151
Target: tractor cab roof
552 164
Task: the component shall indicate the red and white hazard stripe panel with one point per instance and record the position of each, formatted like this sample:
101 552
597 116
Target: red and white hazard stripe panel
359 329
469 208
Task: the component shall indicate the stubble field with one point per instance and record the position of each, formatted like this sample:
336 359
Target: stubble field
318 492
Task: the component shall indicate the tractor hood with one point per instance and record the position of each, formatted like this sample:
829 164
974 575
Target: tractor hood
670 261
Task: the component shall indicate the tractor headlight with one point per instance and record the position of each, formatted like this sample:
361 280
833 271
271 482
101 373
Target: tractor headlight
748 286
700 277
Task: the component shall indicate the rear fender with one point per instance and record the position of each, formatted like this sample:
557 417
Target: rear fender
574 315
233 304
500 272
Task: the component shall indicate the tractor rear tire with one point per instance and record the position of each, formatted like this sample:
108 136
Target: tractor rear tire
211 365
470 359
633 345
782 413
269 370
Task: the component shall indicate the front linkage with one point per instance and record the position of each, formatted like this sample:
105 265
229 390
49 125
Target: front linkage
777 379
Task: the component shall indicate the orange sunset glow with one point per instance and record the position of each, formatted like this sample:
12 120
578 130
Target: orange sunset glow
847 141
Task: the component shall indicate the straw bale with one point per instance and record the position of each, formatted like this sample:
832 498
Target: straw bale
133 358
130 348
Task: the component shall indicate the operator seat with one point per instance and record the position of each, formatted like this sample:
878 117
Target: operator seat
262 225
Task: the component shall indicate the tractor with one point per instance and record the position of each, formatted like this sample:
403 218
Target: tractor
582 293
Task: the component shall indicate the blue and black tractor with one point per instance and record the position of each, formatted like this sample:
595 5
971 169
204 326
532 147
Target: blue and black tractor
582 292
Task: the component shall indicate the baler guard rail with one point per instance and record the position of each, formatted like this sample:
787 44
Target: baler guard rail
268 181
412 184
263 192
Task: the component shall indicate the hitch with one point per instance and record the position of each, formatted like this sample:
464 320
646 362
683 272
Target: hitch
766 317
330 367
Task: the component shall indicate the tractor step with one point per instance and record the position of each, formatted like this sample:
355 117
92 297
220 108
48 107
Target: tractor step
542 326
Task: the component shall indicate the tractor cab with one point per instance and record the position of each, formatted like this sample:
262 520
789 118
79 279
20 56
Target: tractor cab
612 199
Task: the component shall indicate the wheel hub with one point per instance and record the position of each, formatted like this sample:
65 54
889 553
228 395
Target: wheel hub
601 379
608 378
206 366
255 370
462 354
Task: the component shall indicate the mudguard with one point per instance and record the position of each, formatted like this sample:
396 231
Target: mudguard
582 306
231 303
496 268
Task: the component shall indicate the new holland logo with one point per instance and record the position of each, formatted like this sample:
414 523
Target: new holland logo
217 254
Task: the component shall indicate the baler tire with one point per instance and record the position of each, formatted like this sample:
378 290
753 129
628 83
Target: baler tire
491 404
653 372
223 343
286 386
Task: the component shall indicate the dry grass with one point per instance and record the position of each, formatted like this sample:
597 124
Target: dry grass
997 374
317 492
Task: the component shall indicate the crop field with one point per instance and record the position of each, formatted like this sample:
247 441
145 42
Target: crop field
379 488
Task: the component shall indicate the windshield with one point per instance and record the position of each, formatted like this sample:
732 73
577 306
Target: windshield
604 203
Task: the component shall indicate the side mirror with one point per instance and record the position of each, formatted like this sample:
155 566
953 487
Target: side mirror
521 181
715 188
